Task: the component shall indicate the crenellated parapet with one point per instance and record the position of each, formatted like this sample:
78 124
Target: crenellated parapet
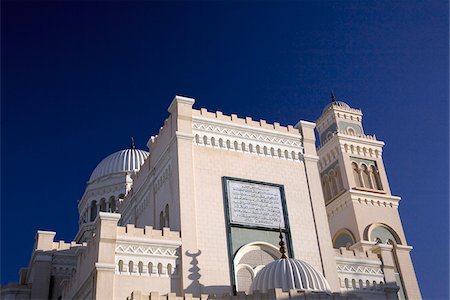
245 135
359 271
274 294
218 116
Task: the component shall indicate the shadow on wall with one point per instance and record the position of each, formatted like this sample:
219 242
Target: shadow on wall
196 288
194 275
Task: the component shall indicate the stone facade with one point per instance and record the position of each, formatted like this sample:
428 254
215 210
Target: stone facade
336 196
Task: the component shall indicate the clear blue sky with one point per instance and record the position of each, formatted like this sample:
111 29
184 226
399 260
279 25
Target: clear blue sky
80 78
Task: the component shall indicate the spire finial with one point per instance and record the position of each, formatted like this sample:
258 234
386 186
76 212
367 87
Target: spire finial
282 247
132 143
333 98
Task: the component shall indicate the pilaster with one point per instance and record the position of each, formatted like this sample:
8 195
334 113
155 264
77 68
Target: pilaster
317 202
42 268
385 252
181 113
106 235
411 288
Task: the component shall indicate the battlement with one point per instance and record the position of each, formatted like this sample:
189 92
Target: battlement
233 118
163 134
347 253
273 294
45 241
147 232
62 245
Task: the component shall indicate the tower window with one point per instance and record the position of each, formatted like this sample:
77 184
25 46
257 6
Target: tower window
344 238
356 174
366 176
93 210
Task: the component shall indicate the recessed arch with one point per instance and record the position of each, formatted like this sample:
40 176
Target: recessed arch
250 259
343 238
381 232
93 210
351 131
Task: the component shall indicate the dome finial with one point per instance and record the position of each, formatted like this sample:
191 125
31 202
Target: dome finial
282 248
333 98
132 143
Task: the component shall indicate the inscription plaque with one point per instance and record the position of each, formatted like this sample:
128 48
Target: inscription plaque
255 204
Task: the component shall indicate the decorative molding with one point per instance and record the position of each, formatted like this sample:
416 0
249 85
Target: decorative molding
359 269
146 250
361 198
184 135
105 266
245 139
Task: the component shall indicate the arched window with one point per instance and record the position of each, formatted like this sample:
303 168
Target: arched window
333 183
120 265
93 210
351 131
376 178
366 176
346 283
329 136
236 145
140 267
361 284
343 238
161 220
353 283
166 217
356 176
383 234
169 269
131 267
159 268
340 186
326 187
150 268
112 204
103 204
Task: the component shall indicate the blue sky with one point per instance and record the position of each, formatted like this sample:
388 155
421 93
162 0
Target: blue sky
80 78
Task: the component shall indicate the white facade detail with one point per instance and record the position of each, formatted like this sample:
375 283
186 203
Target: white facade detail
200 216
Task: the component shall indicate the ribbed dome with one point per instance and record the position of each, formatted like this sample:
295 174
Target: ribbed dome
337 104
288 274
121 161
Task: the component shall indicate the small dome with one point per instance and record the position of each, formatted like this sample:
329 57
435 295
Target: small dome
289 274
121 161
340 104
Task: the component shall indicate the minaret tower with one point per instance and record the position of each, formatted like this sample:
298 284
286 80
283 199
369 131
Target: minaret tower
362 212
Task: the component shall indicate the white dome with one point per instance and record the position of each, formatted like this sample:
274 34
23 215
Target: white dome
340 104
121 161
289 274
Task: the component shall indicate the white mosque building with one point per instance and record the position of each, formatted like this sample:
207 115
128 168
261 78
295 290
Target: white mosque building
223 207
